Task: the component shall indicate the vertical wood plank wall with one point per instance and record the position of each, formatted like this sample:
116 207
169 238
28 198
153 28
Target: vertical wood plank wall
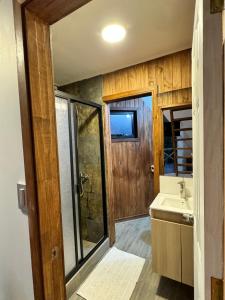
169 76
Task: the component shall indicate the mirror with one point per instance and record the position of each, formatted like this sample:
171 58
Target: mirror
177 133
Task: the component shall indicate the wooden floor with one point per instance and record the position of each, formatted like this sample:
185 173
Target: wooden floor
135 237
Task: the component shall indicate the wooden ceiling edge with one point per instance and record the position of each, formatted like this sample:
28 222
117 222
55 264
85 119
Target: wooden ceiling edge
52 11
127 94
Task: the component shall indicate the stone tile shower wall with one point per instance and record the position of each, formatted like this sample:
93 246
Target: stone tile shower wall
89 89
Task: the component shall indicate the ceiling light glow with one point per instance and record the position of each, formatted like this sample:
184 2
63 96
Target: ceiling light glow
113 33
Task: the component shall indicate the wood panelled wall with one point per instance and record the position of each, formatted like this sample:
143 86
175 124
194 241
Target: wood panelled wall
168 73
169 78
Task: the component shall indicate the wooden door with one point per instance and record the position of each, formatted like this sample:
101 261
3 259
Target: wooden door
131 163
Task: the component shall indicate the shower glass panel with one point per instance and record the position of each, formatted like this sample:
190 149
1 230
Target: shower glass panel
62 121
90 176
82 181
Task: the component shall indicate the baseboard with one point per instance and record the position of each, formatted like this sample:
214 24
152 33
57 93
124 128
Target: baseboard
86 269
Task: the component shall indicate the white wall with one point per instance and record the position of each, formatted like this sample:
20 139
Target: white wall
15 264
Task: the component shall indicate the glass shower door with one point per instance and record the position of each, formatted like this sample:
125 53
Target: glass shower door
82 181
90 174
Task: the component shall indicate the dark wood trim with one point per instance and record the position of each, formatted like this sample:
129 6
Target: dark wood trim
217 291
52 11
29 164
42 101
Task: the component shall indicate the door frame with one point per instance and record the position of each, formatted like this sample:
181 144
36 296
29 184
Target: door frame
35 80
123 97
32 21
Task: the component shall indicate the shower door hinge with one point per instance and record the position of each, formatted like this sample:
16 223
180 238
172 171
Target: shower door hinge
216 289
216 6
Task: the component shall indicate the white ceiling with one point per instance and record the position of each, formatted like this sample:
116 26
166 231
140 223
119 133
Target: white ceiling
154 28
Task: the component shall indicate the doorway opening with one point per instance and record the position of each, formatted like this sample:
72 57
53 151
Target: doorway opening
132 98
164 74
178 152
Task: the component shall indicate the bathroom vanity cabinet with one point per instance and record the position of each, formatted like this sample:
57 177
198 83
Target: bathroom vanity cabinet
172 250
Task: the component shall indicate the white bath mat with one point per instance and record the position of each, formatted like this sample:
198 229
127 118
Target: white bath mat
114 278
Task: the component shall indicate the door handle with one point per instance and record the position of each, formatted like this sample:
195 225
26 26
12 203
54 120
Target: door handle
152 168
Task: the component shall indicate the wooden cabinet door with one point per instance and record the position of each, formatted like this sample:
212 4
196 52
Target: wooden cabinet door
187 254
166 249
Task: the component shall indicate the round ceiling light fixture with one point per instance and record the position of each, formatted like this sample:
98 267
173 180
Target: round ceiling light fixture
113 33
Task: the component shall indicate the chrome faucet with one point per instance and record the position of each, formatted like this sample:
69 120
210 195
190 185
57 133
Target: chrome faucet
182 189
83 179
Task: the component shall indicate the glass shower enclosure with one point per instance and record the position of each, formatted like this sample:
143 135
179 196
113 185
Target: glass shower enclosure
82 178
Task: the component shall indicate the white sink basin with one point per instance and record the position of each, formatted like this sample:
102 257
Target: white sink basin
176 203
173 203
